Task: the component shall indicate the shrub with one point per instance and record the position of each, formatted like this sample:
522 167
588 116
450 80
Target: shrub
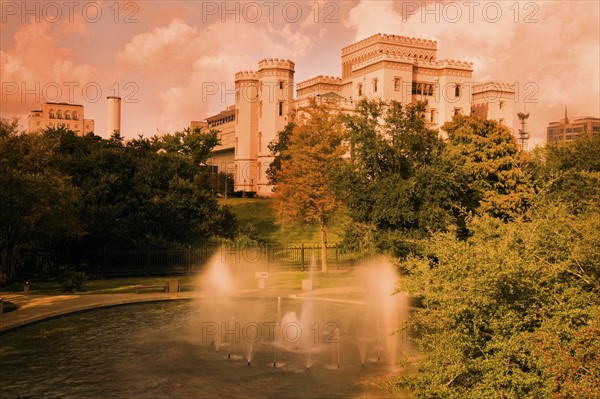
72 280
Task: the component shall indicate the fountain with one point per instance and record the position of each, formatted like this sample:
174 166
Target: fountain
277 346
302 330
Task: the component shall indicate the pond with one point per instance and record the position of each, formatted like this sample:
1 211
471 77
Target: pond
243 347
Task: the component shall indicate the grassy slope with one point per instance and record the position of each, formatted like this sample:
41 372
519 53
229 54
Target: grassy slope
259 212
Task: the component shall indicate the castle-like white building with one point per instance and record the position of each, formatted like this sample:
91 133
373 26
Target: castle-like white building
388 67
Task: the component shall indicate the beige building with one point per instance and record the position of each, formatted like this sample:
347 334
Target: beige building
223 156
493 100
567 129
55 115
388 67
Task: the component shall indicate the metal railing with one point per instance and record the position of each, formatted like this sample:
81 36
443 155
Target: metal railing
179 262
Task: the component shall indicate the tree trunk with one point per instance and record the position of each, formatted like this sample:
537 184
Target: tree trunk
8 262
324 248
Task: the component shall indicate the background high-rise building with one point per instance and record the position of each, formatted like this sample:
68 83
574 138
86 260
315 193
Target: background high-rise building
568 129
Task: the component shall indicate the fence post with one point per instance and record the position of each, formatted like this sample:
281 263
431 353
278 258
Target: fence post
337 262
302 256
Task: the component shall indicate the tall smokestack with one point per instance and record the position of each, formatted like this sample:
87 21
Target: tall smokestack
113 115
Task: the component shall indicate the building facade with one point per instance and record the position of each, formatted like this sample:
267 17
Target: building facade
387 67
56 115
567 129
494 100
223 156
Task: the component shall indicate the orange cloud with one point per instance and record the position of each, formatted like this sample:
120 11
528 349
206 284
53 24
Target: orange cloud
549 50
197 66
37 66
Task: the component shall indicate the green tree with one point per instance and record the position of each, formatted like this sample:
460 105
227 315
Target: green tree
509 313
567 173
304 190
490 160
139 196
513 310
192 143
398 181
38 205
278 148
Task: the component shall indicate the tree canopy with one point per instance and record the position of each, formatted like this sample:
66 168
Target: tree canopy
315 149
63 192
513 310
408 183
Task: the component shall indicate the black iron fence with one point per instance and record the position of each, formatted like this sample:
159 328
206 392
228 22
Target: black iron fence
180 262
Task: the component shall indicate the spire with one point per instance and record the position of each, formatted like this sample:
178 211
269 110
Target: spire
566 118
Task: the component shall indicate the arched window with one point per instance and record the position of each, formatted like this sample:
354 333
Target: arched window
67 115
75 116
457 91
59 114
52 114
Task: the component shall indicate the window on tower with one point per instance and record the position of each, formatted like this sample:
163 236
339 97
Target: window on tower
375 85
457 91
360 89
280 108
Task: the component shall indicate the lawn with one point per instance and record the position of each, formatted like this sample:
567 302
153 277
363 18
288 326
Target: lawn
259 213
280 280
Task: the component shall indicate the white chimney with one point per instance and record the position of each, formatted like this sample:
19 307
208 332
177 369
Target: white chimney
113 115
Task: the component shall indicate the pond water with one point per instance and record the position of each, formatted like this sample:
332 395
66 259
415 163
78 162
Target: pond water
267 348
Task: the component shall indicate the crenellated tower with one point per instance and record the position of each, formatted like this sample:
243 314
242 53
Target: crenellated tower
275 104
246 130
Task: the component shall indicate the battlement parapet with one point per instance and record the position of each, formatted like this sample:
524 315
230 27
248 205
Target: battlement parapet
246 75
321 79
276 63
493 86
393 39
455 64
383 57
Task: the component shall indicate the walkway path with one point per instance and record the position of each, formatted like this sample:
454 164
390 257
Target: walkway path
33 308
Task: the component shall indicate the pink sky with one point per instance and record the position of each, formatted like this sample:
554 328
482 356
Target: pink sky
165 58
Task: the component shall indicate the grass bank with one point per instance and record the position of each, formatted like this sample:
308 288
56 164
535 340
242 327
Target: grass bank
259 213
243 279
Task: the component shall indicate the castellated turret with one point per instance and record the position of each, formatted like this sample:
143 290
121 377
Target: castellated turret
246 128
264 101
276 96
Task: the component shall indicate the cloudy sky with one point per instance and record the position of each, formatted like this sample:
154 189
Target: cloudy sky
174 61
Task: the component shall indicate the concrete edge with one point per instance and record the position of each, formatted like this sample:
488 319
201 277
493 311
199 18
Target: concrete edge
10 326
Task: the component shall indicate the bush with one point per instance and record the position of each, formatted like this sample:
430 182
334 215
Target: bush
8 306
250 194
72 280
